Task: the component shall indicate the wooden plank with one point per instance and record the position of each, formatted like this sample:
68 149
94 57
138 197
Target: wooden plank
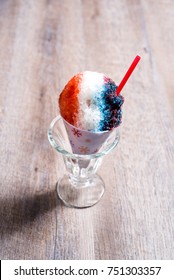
44 43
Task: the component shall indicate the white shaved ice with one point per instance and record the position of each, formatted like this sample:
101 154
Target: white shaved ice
89 113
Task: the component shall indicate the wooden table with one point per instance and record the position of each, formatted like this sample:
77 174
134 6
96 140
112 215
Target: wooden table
44 43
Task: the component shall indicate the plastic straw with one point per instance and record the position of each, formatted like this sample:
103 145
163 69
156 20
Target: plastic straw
128 73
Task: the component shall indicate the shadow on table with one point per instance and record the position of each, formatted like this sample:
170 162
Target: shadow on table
16 212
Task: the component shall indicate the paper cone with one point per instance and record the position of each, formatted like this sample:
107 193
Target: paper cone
85 142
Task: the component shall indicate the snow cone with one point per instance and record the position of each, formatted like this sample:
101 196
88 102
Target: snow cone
91 109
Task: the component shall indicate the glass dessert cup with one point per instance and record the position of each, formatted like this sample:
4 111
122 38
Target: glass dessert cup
80 187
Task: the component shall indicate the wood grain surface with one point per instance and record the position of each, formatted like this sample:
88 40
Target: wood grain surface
42 44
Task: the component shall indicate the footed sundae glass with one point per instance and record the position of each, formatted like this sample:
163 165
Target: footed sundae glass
80 186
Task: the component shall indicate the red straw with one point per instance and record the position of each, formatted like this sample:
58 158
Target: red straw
128 73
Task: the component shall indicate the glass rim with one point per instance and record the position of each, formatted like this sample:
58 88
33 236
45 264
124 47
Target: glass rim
74 155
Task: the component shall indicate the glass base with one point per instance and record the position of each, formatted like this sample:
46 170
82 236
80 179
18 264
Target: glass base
80 194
